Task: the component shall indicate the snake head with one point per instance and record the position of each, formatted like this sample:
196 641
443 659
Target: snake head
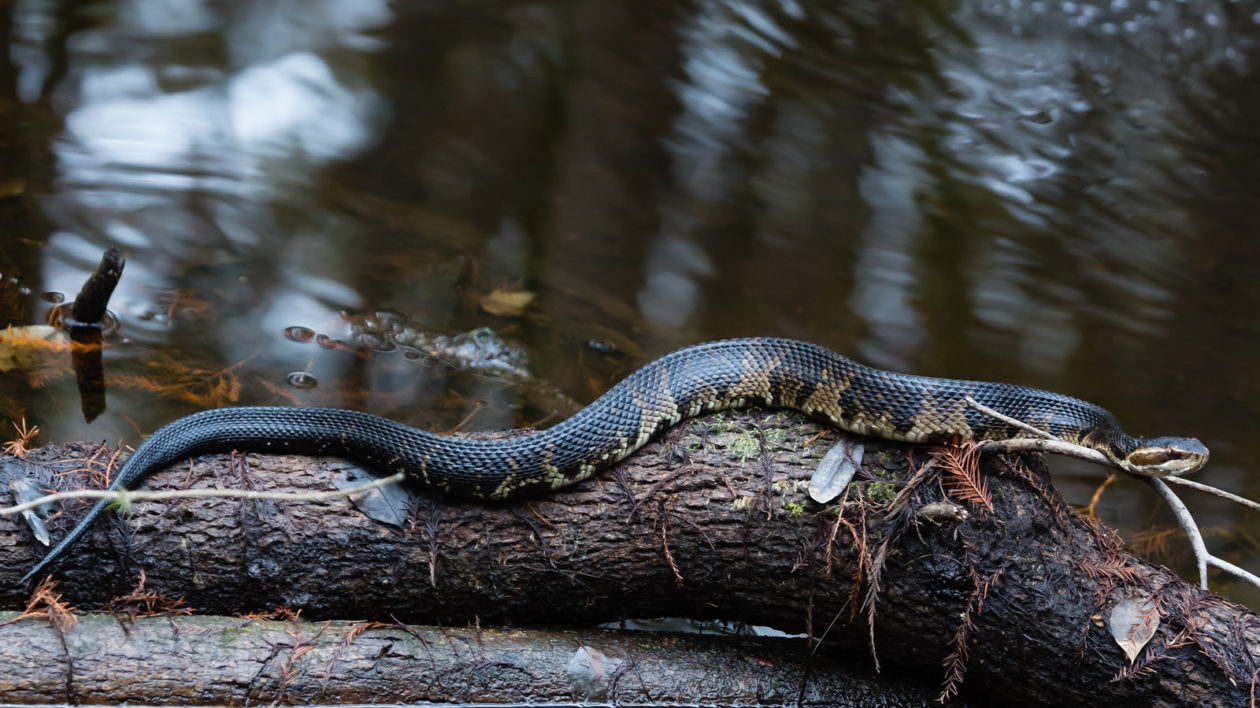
1166 457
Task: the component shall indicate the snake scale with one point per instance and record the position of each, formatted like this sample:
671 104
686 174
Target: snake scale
721 375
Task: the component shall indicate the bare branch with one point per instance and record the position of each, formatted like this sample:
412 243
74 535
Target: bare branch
1213 490
1044 442
1187 523
1233 570
1056 446
125 496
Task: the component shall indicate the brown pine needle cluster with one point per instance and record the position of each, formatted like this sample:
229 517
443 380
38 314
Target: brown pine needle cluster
21 445
50 606
300 646
200 388
1158 650
280 614
858 532
143 602
360 628
962 474
98 468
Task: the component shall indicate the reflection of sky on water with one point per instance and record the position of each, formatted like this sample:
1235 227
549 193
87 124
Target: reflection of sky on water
1046 148
720 84
279 101
885 275
163 155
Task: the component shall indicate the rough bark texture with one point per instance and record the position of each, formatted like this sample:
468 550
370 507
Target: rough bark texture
711 522
230 661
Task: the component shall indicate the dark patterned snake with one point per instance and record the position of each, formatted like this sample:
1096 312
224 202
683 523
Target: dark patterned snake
737 373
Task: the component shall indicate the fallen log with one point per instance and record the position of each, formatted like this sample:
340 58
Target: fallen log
1002 592
210 660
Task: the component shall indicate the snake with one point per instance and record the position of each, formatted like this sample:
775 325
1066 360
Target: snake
702 378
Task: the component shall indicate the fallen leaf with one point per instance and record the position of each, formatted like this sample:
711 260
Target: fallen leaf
836 470
388 504
591 672
506 303
1134 619
12 187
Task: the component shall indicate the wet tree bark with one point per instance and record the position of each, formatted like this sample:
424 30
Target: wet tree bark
713 521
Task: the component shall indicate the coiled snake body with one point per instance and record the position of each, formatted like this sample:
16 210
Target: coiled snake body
737 373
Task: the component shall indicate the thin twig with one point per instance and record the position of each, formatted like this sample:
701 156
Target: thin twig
1213 490
1093 501
1007 419
1043 442
1233 570
1187 523
1058 447
128 496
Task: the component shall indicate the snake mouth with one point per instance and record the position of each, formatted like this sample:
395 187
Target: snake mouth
1168 457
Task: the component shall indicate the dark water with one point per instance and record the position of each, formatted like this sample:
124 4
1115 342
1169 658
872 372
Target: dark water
1057 194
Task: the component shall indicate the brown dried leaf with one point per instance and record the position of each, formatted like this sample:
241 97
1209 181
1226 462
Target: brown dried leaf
506 303
1134 619
12 187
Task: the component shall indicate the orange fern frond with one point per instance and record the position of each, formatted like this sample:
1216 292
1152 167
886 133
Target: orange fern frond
962 474
1153 543
215 393
1117 569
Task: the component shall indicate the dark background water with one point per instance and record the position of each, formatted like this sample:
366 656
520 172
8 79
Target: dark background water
1057 194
